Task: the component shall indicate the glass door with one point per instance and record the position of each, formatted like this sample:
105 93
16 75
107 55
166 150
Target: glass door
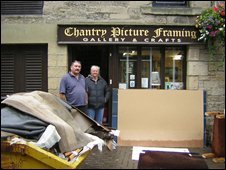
174 57
150 67
128 67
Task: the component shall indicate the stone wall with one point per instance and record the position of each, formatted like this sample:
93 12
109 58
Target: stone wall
103 12
207 73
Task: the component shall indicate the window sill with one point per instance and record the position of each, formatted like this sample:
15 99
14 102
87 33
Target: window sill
147 10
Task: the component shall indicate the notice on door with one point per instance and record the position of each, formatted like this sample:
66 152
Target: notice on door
144 82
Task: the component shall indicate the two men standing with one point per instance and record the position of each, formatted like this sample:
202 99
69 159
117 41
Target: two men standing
87 94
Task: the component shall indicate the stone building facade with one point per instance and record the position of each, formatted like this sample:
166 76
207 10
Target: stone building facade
202 74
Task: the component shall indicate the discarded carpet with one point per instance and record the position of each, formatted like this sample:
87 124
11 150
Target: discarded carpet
70 124
170 160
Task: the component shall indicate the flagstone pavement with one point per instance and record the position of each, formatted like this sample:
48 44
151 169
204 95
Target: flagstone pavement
121 158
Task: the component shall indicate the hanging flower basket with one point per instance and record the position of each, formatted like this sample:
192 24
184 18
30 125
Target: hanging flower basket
211 25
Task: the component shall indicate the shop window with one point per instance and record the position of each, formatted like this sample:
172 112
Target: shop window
174 68
21 7
152 68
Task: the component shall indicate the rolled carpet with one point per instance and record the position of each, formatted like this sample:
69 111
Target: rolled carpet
170 160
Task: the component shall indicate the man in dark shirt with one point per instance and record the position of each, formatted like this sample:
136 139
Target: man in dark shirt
72 87
98 94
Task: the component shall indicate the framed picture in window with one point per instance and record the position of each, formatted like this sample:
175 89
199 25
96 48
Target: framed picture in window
155 79
132 83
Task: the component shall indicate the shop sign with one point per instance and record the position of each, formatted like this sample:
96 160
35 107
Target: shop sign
93 34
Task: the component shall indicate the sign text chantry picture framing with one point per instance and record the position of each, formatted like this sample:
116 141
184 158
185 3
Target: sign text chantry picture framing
118 34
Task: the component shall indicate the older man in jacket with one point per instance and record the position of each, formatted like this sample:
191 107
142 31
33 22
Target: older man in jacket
98 94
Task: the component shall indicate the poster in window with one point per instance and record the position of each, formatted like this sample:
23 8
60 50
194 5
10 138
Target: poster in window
132 77
132 84
122 85
144 82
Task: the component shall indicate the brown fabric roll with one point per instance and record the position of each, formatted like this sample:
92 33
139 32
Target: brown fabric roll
218 143
170 160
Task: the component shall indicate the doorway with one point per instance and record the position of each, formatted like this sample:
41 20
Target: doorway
90 55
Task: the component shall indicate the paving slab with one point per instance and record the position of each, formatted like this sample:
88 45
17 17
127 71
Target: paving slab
121 158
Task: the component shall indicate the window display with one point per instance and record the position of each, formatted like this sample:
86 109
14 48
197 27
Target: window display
151 67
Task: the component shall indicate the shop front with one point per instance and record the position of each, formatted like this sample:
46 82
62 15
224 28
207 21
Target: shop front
142 57
131 57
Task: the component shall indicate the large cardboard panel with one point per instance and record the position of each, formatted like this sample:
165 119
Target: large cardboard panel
167 118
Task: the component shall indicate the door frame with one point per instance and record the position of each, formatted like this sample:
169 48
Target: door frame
106 51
